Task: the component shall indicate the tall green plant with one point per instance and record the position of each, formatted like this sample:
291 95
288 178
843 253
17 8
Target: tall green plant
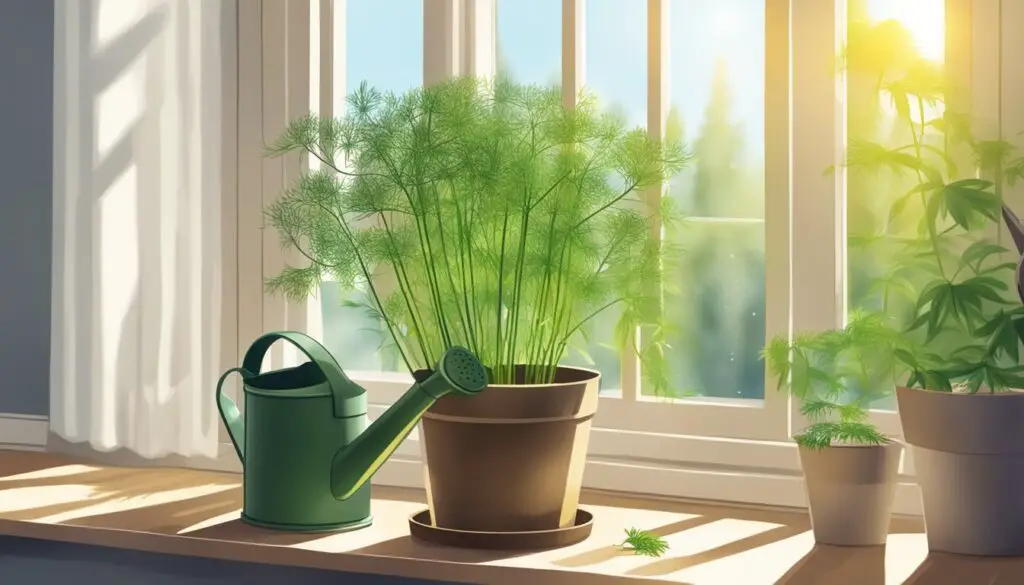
503 220
946 282
824 369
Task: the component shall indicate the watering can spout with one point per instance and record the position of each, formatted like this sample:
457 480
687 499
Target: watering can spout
458 371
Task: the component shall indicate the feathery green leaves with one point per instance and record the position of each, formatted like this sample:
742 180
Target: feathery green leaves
823 369
482 214
644 543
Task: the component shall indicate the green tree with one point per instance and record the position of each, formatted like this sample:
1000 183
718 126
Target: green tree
723 318
717 149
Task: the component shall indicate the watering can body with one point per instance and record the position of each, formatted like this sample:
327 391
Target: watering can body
295 422
306 449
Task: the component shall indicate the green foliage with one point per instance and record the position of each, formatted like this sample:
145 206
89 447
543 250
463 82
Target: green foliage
944 281
644 543
823 370
485 215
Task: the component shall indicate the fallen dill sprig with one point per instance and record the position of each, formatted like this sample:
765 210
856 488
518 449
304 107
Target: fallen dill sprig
644 543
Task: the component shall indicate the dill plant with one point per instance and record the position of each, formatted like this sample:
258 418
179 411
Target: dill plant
482 214
835 375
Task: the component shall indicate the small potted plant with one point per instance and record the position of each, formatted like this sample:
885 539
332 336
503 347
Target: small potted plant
849 467
960 408
506 222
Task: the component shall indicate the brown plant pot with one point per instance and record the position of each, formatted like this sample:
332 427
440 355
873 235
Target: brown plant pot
850 490
510 459
969 458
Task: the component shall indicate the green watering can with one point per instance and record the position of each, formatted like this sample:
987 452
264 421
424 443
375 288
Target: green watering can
305 448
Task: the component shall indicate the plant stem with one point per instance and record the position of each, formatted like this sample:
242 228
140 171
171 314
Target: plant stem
405 289
463 318
400 273
369 281
933 237
501 297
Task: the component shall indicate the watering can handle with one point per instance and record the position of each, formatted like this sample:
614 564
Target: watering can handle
342 389
230 414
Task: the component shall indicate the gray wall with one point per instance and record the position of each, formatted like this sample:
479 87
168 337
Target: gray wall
26 203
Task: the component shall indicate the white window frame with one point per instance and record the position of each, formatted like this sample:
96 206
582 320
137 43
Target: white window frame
737 451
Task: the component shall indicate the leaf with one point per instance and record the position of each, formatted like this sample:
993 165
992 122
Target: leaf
964 201
979 251
644 543
873 157
825 434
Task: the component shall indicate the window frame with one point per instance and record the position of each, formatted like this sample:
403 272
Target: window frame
695 448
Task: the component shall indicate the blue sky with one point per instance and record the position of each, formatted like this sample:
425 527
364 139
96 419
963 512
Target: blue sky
385 47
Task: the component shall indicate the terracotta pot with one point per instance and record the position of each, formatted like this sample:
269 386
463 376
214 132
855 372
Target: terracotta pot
511 458
850 490
969 459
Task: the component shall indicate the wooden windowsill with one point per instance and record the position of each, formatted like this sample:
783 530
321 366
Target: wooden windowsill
190 512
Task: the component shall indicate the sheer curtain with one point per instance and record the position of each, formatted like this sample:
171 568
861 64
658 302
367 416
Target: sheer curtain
140 236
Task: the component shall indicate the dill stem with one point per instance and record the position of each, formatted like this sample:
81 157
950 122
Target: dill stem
579 325
463 319
615 200
478 315
517 294
536 346
369 281
380 306
498 366
433 284
562 312
464 244
396 176
405 289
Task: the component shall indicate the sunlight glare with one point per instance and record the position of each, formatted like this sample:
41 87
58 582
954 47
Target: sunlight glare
925 20
726 23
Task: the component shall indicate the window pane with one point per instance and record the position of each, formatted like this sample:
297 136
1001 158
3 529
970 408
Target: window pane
616 72
395 65
354 337
717 53
529 44
916 31
720 317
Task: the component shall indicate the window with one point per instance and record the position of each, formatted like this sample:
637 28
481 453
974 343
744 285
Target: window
751 86
872 116
639 59
359 341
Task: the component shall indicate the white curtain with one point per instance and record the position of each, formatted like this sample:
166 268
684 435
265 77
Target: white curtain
138 230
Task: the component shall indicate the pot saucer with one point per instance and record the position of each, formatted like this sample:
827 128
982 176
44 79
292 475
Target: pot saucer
421 529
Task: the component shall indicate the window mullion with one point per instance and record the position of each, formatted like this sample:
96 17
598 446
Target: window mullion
479 38
574 39
818 214
777 193
442 22
657 108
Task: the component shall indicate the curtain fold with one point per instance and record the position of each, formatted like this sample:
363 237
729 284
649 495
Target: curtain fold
140 254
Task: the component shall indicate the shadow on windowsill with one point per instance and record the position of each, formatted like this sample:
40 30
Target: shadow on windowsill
839 565
951 569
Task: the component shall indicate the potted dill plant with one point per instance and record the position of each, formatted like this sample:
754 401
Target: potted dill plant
849 467
505 223
961 407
